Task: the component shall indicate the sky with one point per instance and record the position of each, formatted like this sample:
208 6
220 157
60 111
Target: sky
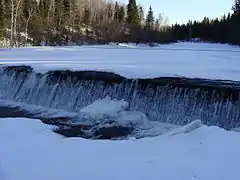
181 11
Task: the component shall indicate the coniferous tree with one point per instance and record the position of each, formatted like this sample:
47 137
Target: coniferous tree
133 18
56 21
234 23
236 6
149 26
149 20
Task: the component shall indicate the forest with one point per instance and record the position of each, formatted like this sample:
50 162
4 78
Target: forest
76 22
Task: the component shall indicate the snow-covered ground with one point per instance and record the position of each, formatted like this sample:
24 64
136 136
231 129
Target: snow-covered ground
202 60
30 150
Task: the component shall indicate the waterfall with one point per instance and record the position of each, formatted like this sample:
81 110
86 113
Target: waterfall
173 100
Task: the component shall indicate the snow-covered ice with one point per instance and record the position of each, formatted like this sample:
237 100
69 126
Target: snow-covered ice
101 112
106 106
30 150
201 60
118 110
104 110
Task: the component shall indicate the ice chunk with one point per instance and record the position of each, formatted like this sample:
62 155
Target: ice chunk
106 106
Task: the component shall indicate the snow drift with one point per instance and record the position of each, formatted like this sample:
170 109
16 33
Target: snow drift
30 150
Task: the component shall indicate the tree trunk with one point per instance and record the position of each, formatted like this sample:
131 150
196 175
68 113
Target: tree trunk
12 23
15 20
26 27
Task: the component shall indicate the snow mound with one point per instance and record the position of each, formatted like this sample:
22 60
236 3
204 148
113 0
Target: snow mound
105 111
111 109
106 106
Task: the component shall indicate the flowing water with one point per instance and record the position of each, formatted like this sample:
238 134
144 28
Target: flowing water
173 100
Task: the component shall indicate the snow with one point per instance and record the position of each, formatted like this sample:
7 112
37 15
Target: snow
201 60
30 150
102 112
106 106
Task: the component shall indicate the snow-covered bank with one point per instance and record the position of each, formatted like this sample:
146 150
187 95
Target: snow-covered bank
30 150
210 61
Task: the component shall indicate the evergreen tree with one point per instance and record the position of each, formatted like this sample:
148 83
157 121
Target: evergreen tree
149 20
43 18
133 18
234 24
235 29
236 6
228 17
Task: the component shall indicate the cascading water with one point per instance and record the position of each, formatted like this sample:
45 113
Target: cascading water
173 100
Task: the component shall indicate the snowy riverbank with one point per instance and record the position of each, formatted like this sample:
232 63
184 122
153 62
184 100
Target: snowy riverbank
30 150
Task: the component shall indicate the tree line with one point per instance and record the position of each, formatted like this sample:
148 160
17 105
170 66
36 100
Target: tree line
63 22
73 22
220 30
